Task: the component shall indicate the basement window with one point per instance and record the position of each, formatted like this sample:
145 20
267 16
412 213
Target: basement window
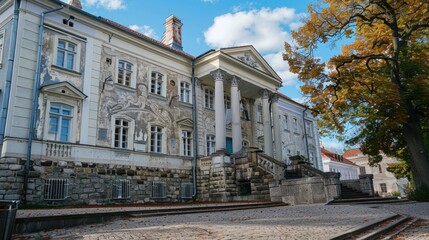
159 190
121 189
55 189
186 190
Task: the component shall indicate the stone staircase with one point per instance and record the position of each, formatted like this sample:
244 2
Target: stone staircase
350 196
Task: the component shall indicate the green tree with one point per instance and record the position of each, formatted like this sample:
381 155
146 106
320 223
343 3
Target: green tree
379 82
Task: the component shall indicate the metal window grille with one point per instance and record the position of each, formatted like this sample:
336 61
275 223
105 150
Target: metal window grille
186 190
56 189
121 189
159 190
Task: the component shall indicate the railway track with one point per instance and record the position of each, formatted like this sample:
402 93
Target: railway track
385 229
43 223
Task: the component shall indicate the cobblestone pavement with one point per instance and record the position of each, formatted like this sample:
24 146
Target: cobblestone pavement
290 222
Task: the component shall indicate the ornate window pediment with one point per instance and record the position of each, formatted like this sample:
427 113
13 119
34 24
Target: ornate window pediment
64 89
186 122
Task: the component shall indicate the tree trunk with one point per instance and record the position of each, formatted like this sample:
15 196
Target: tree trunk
419 155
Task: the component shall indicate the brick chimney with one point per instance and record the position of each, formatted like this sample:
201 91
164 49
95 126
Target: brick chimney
75 3
173 32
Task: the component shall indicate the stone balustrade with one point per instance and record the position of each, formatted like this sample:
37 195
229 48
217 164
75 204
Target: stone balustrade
58 150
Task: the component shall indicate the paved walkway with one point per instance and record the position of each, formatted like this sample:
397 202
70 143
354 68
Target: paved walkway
290 222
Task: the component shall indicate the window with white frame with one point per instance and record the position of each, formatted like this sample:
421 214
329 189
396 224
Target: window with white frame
211 144
156 134
66 54
285 122
60 121
186 143
308 128
2 33
185 92
383 187
243 109
295 125
209 98
157 83
259 114
122 130
227 101
125 71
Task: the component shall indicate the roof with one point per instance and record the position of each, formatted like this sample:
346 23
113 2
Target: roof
336 157
125 29
352 152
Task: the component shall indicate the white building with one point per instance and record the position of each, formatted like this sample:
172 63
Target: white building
96 112
333 162
297 128
384 182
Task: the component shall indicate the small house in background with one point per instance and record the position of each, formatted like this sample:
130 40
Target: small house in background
385 182
333 162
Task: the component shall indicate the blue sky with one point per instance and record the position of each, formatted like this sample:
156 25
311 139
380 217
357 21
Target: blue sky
212 24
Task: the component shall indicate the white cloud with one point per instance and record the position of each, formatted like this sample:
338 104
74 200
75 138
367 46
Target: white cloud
146 30
281 67
108 4
210 1
262 28
333 146
266 29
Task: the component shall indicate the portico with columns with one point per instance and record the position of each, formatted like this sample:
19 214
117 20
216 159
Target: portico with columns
241 80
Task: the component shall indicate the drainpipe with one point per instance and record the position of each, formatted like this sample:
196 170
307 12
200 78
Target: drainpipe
35 98
194 123
9 73
305 132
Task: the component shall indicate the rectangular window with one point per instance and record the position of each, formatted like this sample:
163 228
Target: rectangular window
227 101
186 143
159 190
66 54
121 133
383 187
56 189
185 92
259 114
362 170
311 157
209 99
285 123
1 46
157 83
156 139
308 128
295 125
121 189
210 144
125 70
60 116
186 190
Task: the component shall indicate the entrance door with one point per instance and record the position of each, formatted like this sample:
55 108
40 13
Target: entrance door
228 145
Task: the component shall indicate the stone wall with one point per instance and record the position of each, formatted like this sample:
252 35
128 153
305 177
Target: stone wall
89 183
308 190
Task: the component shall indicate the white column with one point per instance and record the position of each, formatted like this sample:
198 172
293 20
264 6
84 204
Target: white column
236 119
266 118
276 123
220 127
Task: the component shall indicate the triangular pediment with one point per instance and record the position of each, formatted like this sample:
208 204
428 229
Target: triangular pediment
249 56
187 122
64 89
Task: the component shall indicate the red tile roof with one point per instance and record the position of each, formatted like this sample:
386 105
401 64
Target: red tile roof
336 157
352 152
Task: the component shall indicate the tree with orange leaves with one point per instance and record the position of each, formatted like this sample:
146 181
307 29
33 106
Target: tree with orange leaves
379 82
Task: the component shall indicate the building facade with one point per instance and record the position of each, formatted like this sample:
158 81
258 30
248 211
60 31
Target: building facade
94 112
333 162
385 182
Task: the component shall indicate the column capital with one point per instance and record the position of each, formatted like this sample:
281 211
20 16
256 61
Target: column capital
274 97
218 75
235 81
265 93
